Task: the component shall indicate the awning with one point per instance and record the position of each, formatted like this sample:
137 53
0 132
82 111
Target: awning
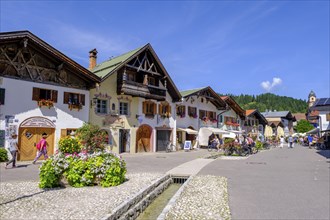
188 130
313 131
237 132
230 135
218 131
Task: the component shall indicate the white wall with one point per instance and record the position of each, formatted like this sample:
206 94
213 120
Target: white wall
19 103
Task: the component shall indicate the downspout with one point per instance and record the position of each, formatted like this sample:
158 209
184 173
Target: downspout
227 109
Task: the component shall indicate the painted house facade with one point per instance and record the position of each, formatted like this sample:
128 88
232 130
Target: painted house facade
254 123
42 91
135 102
233 118
198 108
281 118
322 106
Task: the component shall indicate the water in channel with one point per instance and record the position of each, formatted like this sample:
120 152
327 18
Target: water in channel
157 206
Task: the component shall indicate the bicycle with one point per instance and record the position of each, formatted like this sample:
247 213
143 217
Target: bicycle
169 147
212 147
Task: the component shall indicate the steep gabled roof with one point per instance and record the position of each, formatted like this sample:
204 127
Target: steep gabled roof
109 67
278 114
42 45
215 99
257 114
233 104
103 69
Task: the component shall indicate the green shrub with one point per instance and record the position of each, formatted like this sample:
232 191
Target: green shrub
69 145
3 155
259 145
229 140
101 168
49 178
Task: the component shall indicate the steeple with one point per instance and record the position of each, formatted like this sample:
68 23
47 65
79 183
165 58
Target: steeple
311 98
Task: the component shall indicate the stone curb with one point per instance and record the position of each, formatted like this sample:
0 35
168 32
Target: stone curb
131 208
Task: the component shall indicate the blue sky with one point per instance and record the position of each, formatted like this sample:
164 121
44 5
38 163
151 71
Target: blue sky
237 47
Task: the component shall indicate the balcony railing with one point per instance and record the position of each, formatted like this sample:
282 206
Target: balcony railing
141 90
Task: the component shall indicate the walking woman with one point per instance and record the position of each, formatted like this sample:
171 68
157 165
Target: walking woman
42 148
13 148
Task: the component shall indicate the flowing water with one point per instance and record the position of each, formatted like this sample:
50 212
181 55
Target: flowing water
157 206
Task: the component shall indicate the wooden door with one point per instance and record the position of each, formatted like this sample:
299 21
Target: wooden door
143 136
28 139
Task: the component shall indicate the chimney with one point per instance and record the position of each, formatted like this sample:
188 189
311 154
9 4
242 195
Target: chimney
92 58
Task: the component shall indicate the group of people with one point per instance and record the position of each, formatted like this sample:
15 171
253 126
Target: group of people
245 141
14 149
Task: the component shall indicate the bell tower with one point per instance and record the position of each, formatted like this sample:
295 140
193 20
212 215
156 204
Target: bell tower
311 98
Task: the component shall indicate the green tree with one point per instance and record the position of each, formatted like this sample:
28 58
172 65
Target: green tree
303 126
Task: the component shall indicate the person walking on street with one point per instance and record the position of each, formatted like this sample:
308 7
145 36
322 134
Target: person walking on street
41 148
310 140
290 139
281 142
13 148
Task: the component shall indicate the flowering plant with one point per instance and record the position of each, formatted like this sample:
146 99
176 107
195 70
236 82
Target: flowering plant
69 145
205 118
165 115
101 168
43 102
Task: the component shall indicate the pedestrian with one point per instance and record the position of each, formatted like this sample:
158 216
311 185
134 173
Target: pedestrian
282 142
13 148
41 148
310 140
290 139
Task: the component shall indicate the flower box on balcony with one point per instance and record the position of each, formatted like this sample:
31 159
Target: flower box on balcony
46 103
75 106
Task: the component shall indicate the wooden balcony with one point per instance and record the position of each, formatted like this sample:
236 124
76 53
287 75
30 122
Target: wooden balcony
141 90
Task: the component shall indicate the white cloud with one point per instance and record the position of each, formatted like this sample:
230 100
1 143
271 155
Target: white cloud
266 85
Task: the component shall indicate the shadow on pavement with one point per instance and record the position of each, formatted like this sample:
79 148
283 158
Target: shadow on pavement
324 153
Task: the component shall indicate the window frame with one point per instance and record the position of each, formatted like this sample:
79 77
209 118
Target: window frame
98 106
120 108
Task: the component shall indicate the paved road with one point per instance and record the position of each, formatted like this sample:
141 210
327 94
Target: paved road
274 184
277 184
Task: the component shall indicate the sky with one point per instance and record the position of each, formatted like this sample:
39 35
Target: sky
236 47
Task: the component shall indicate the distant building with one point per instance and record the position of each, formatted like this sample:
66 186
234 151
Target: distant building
281 117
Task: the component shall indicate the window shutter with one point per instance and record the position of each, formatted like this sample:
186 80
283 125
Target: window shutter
2 96
169 109
66 98
35 94
155 108
144 107
82 99
54 96
63 133
160 109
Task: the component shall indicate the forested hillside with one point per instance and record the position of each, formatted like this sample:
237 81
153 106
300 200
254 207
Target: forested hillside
269 101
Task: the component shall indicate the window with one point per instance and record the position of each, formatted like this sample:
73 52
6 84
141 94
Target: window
152 81
220 118
192 112
202 114
328 117
44 94
181 110
101 106
164 108
123 108
211 115
2 96
131 76
149 108
74 98
67 132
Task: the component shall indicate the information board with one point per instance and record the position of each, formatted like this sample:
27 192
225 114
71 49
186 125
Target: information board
187 145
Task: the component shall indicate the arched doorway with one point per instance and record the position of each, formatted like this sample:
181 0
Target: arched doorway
30 132
143 139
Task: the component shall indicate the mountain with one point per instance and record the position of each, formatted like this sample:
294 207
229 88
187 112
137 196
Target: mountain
269 101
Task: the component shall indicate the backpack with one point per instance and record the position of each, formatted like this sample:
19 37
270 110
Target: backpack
40 144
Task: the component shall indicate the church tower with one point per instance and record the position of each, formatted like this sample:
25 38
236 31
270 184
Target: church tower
311 98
